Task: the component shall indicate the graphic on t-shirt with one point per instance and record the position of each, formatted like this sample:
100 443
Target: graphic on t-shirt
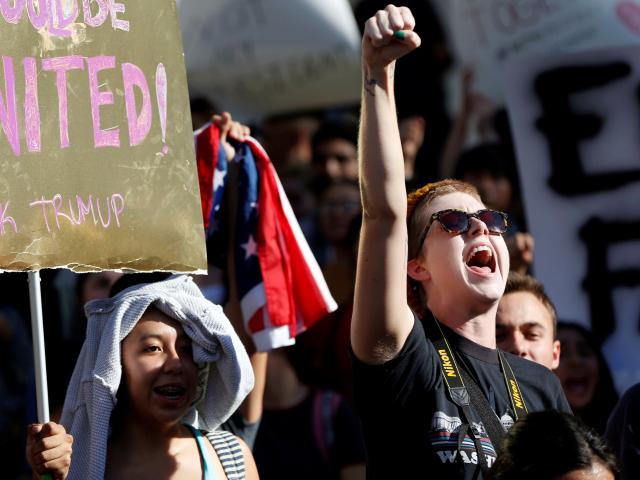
507 421
444 440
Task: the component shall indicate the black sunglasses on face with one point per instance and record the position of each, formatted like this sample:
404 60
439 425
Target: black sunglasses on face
458 221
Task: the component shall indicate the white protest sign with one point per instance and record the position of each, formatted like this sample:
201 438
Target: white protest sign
261 57
576 119
486 33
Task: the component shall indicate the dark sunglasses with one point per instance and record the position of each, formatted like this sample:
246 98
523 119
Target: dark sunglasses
457 221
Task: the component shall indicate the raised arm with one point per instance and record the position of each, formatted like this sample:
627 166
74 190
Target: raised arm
382 319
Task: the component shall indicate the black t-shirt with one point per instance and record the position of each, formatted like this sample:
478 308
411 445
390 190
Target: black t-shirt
410 425
623 432
312 440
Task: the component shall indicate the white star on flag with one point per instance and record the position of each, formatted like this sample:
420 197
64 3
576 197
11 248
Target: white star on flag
250 248
218 179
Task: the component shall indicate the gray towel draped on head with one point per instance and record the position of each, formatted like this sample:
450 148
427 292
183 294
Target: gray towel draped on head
91 395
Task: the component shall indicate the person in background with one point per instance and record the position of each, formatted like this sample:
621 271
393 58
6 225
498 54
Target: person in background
491 169
326 343
489 165
287 138
305 432
526 321
339 206
553 446
335 156
412 131
623 432
585 376
88 286
17 389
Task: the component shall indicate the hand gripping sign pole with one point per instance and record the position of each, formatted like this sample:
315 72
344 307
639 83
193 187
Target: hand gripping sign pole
39 358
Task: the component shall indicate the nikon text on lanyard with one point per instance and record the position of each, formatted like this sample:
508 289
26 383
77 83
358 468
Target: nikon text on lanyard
460 394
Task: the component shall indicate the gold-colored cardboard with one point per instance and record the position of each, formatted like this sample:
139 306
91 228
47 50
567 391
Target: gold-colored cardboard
160 227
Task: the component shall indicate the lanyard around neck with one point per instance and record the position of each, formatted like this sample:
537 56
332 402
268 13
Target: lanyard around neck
455 384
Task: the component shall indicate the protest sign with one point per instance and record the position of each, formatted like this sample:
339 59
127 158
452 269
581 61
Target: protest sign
487 33
96 147
576 119
263 57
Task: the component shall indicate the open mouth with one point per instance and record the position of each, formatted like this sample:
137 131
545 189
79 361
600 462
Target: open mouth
577 386
170 392
481 260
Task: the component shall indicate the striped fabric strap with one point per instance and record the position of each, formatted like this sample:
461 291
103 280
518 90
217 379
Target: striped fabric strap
229 452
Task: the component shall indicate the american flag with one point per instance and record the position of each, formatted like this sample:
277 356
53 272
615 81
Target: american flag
212 174
281 288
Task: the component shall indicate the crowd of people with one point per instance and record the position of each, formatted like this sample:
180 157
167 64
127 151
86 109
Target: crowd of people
445 357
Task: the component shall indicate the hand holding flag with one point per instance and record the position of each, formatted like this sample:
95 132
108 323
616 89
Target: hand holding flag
281 288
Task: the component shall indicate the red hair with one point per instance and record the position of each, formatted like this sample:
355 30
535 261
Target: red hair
417 203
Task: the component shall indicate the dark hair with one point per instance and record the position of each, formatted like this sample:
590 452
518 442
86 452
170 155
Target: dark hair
332 130
517 282
605 397
490 157
567 443
203 105
124 282
122 398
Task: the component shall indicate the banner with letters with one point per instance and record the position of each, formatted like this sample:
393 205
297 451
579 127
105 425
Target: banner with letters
263 57
96 147
487 33
576 119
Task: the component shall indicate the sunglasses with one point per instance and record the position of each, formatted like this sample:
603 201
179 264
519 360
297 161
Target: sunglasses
458 222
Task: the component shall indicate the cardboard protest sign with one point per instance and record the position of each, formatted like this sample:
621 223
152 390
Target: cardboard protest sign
262 57
576 120
487 33
96 148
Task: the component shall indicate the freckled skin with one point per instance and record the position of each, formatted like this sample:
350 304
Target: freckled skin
452 282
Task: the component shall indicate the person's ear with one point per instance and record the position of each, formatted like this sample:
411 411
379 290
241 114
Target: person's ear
555 358
417 271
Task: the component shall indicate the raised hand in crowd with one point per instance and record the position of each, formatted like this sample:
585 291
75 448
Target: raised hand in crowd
521 247
230 130
388 36
473 106
49 450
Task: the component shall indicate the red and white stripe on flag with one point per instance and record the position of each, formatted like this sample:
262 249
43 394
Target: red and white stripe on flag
293 294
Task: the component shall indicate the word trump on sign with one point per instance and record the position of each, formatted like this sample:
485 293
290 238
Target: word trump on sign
95 138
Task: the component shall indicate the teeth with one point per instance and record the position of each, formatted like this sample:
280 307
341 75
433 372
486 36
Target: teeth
480 248
170 390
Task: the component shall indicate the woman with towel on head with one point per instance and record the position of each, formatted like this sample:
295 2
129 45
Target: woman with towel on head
160 370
